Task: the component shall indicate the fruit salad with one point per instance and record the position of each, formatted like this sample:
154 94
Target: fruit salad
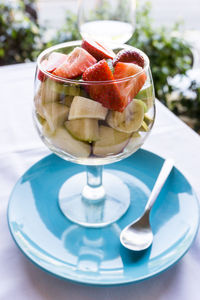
92 101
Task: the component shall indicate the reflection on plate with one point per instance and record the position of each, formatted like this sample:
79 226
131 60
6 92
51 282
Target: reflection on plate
95 256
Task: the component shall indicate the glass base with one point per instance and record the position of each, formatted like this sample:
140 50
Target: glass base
94 213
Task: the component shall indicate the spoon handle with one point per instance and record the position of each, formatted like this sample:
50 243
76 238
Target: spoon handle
163 175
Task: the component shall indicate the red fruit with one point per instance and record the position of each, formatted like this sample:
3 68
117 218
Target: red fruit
41 75
99 51
131 86
107 94
50 64
129 56
55 59
75 64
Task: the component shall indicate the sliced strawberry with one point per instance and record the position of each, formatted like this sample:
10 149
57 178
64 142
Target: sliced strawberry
99 51
50 64
107 94
41 75
129 56
55 59
129 88
75 64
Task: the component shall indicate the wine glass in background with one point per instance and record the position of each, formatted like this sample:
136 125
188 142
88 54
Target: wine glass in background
107 20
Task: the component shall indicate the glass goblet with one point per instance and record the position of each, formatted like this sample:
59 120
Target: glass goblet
107 20
82 131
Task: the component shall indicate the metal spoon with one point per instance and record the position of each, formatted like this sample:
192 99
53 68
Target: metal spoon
138 235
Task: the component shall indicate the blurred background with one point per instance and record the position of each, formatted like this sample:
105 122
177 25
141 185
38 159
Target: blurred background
168 31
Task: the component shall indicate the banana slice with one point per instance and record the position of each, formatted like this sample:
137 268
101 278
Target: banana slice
110 141
55 114
65 141
45 95
47 130
84 129
135 142
130 120
82 107
148 120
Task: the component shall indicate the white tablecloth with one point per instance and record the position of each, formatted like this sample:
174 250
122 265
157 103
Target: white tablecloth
20 147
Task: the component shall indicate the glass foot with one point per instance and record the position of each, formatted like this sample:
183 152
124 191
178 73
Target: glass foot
109 208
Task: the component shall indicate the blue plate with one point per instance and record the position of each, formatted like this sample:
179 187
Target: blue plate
95 256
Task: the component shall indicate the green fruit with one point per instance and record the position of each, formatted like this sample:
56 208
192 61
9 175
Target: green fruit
110 141
82 107
65 141
70 90
144 105
146 95
130 119
67 100
84 129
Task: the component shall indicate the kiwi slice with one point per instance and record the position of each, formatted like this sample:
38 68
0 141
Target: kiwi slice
84 129
130 119
110 141
65 141
67 100
146 95
144 105
70 90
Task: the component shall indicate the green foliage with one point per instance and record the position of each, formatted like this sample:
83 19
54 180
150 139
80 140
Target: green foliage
69 32
169 55
171 59
20 37
184 101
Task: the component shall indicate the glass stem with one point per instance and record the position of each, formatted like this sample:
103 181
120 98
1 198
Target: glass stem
94 190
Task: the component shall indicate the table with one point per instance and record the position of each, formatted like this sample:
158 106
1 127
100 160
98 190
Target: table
21 147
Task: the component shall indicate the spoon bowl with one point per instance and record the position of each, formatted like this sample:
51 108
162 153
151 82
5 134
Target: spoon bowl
138 235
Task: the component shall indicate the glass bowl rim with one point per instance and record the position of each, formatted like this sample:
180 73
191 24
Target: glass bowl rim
81 82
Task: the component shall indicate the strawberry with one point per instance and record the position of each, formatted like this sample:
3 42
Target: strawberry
41 75
99 51
55 59
50 64
75 64
107 94
129 56
129 88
